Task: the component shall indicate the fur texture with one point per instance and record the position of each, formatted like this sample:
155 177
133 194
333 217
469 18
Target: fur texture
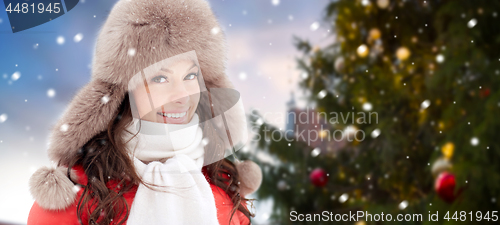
251 177
52 189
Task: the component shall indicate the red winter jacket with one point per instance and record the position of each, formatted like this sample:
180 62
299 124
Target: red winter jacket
68 216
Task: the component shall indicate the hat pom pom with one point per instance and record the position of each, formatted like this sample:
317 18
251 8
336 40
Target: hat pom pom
250 177
51 188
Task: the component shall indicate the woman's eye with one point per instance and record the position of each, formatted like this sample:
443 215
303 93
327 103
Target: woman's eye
159 79
191 76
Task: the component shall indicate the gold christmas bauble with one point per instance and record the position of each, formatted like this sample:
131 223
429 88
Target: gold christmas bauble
383 3
375 34
363 51
447 150
403 53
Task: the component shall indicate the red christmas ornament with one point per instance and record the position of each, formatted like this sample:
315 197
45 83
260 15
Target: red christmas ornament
445 186
485 92
318 177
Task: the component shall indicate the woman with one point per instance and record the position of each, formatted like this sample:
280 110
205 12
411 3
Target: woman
131 145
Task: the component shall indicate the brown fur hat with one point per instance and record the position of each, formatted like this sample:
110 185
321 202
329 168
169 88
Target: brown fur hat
153 30
137 34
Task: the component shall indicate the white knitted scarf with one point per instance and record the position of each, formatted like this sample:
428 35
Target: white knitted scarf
171 156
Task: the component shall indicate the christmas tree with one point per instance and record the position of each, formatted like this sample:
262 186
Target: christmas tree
417 81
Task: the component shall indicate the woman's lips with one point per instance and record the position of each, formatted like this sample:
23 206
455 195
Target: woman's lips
175 118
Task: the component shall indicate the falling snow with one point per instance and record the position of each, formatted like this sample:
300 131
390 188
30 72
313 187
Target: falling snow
60 40
403 205
322 94
205 141
242 76
315 152
472 23
15 76
474 141
105 99
215 30
51 93
78 37
367 106
3 118
343 198
76 188
314 26
64 127
425 104
131 51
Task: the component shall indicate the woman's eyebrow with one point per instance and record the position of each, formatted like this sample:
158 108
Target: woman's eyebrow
170 71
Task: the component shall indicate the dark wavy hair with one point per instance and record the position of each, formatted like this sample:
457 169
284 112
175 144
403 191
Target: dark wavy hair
104 158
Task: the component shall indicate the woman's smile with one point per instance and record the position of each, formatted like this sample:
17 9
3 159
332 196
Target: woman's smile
173 116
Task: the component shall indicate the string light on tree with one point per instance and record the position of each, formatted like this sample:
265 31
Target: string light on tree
362 51
440 58
403 53
374 34
383 4
474 141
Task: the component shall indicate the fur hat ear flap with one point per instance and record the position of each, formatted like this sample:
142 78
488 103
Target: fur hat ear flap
89 113
52 189
250 177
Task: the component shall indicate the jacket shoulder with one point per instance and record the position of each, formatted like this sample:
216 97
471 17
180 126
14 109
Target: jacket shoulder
224 204
224 207
40 216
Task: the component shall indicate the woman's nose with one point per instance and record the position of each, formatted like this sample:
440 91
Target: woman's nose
179 94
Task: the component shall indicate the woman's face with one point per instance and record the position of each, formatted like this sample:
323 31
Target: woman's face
169 95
